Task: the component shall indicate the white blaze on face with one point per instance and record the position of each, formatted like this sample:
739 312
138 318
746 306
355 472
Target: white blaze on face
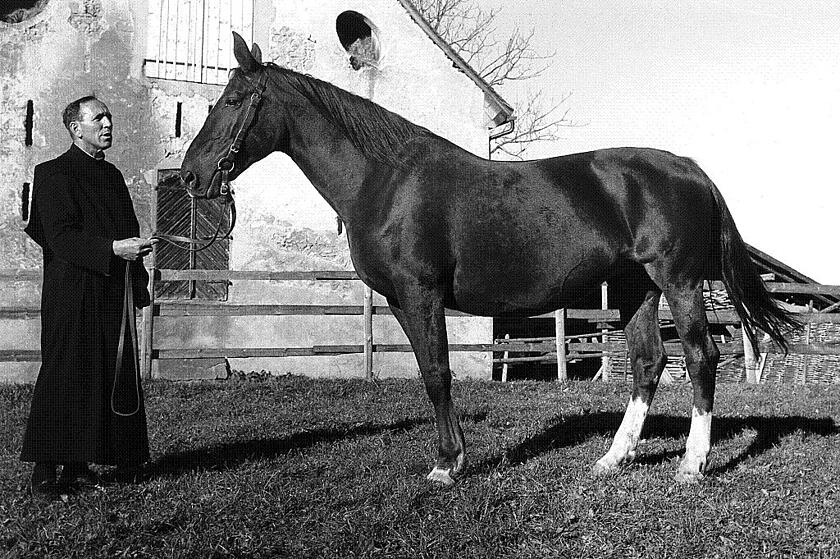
623 448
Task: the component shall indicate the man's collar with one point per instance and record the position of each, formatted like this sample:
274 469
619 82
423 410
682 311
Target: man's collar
98 156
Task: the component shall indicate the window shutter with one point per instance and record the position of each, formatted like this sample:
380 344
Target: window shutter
179 214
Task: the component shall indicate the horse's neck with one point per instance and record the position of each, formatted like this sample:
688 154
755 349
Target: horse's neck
329 160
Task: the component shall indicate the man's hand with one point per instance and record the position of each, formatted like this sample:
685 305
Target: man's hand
133 248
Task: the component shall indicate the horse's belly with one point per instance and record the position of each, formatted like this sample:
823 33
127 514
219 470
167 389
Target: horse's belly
520 288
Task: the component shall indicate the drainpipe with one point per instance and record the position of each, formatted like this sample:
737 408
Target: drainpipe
509 125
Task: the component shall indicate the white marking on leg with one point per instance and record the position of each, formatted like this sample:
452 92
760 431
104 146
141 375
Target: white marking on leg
697 447
441 476
623 448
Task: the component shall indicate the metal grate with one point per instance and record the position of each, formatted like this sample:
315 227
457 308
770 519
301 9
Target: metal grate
190 40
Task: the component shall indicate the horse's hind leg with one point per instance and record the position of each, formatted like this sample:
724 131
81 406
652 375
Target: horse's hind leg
421 314
701 358
647 358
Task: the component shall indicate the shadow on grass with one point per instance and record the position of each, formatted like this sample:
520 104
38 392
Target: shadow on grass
576 429
232 454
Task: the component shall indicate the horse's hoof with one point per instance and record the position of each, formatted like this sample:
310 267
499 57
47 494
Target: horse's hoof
691 471
441 476
688 477
602 468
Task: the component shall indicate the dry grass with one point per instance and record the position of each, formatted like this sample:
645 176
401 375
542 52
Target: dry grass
290 467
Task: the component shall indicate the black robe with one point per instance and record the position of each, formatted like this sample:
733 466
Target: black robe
80 206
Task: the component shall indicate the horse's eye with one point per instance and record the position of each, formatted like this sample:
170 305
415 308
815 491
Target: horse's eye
232 102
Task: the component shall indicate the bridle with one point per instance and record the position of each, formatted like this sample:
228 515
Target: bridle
227 162
224 166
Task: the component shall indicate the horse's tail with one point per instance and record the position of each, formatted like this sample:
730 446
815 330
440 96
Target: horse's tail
755 307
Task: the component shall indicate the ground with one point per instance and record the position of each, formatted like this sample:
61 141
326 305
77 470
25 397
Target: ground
292 467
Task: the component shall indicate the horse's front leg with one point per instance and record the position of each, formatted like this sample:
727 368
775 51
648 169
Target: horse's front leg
421 315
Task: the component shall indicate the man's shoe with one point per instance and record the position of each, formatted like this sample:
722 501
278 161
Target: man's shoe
47 491
42 483
78 474
128 474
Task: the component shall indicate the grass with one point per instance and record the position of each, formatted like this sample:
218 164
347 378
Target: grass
292 467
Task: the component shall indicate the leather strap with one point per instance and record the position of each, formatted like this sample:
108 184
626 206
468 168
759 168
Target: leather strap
186 243
122 377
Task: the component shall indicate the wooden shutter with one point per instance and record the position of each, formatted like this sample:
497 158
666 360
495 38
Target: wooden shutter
178 214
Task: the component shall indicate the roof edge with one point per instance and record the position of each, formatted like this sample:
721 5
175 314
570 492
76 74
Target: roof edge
504 110
780 266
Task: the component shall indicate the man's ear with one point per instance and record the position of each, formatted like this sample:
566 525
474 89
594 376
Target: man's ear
75 131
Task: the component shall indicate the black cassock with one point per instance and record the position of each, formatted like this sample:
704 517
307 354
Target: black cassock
80 206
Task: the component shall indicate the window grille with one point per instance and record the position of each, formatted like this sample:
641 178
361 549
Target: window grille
190 40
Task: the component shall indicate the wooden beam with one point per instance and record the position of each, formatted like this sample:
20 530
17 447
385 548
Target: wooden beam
11 274
231 275
19 355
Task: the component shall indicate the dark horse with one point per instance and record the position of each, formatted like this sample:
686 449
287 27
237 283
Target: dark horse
431 226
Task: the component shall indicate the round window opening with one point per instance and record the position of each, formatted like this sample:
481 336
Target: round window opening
359 37
17 11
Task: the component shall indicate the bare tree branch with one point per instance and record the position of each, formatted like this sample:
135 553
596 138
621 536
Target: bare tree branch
472 32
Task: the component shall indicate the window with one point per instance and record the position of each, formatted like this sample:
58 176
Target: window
359 37
179 214
16 11
190 40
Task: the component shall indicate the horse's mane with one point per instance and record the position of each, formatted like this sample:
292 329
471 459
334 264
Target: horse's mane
376 132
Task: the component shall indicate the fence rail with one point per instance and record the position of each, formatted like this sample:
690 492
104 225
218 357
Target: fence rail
544 349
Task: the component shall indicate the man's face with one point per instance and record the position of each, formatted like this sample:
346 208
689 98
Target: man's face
94 127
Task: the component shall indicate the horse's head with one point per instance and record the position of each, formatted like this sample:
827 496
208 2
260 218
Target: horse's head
237 131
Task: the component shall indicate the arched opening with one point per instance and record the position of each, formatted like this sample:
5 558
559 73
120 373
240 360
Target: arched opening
359 37
17 11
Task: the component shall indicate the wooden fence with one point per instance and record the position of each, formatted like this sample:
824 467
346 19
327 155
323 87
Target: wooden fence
558 349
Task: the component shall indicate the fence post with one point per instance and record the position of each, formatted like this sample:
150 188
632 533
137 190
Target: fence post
807 361
368 312
505 356
560 343
750 361
605 360
148 326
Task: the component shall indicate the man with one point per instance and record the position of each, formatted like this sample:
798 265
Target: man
84 220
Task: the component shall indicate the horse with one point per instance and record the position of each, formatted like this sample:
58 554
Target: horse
431 227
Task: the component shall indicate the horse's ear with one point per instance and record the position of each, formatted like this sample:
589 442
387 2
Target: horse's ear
240 50
256 53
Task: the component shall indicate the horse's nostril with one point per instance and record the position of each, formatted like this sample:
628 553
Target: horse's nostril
188 178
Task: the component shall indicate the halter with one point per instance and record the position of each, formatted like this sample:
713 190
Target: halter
225 165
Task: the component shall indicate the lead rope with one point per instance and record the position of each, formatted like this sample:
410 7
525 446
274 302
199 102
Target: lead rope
127 322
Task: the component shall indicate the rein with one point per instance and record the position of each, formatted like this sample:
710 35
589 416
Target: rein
187 243
126 381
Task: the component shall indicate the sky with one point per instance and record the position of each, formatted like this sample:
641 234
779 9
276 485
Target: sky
750 90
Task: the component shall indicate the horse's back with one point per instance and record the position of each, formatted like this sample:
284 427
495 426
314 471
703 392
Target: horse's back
510 237
530 235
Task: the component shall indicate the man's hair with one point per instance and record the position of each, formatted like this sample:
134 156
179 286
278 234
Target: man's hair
71 111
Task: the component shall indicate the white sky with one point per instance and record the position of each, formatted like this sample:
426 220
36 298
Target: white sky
750 90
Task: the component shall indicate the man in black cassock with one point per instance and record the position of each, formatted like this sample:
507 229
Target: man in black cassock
83 219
